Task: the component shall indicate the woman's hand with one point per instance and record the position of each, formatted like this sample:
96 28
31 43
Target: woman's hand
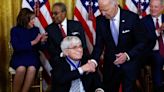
36 40
44 37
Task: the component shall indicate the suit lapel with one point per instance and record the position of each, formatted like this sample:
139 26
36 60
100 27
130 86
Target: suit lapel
151 23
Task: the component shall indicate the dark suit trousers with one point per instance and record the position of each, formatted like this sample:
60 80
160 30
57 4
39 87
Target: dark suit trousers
157 66
119 76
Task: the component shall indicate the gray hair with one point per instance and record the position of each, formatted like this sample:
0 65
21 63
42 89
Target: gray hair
114 2
111 2
69 41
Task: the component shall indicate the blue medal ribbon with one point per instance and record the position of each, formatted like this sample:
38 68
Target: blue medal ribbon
72 64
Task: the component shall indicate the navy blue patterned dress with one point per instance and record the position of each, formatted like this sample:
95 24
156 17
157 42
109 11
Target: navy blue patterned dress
24 54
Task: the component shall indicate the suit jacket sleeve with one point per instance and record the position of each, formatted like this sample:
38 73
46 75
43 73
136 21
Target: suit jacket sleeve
52 47
99 43
147 25
62 73
140 38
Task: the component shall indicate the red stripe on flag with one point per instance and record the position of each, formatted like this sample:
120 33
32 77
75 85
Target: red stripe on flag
48 8
94 23
84 24
42 20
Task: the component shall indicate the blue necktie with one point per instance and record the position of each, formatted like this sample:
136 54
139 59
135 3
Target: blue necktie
114 31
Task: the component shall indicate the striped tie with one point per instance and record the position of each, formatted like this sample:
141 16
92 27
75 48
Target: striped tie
62 30
75 87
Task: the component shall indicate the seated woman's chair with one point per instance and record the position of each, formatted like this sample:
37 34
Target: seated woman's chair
35 84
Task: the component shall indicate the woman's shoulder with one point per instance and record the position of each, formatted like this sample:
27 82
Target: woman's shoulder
35 29
16 29
20 28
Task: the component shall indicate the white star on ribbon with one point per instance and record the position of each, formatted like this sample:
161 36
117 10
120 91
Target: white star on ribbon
142 7
41 1
147 1
142 1
96 4
30 0
86 3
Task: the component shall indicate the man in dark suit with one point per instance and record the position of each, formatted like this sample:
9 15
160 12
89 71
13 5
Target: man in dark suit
153 23
118 33
72 73
60 28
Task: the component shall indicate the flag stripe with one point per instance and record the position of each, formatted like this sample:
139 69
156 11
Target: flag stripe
42 20
38 24
130 5
46 14
84 24
86 12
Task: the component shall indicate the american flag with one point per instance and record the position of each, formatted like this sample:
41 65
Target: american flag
43 18
140 7
86 12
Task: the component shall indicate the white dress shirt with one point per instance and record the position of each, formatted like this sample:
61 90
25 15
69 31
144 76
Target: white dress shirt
156 47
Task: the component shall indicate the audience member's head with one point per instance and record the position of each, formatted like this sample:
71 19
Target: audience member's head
108 8
59 12
26 18
71 46
156 7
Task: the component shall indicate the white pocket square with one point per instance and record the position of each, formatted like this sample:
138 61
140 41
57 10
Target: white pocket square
75 33
123 21
125 31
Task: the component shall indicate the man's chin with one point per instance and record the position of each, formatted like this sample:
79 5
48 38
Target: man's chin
77 59
57 22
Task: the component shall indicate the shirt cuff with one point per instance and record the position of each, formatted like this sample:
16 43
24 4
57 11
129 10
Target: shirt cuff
94 61
80 70
99 90
128 58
